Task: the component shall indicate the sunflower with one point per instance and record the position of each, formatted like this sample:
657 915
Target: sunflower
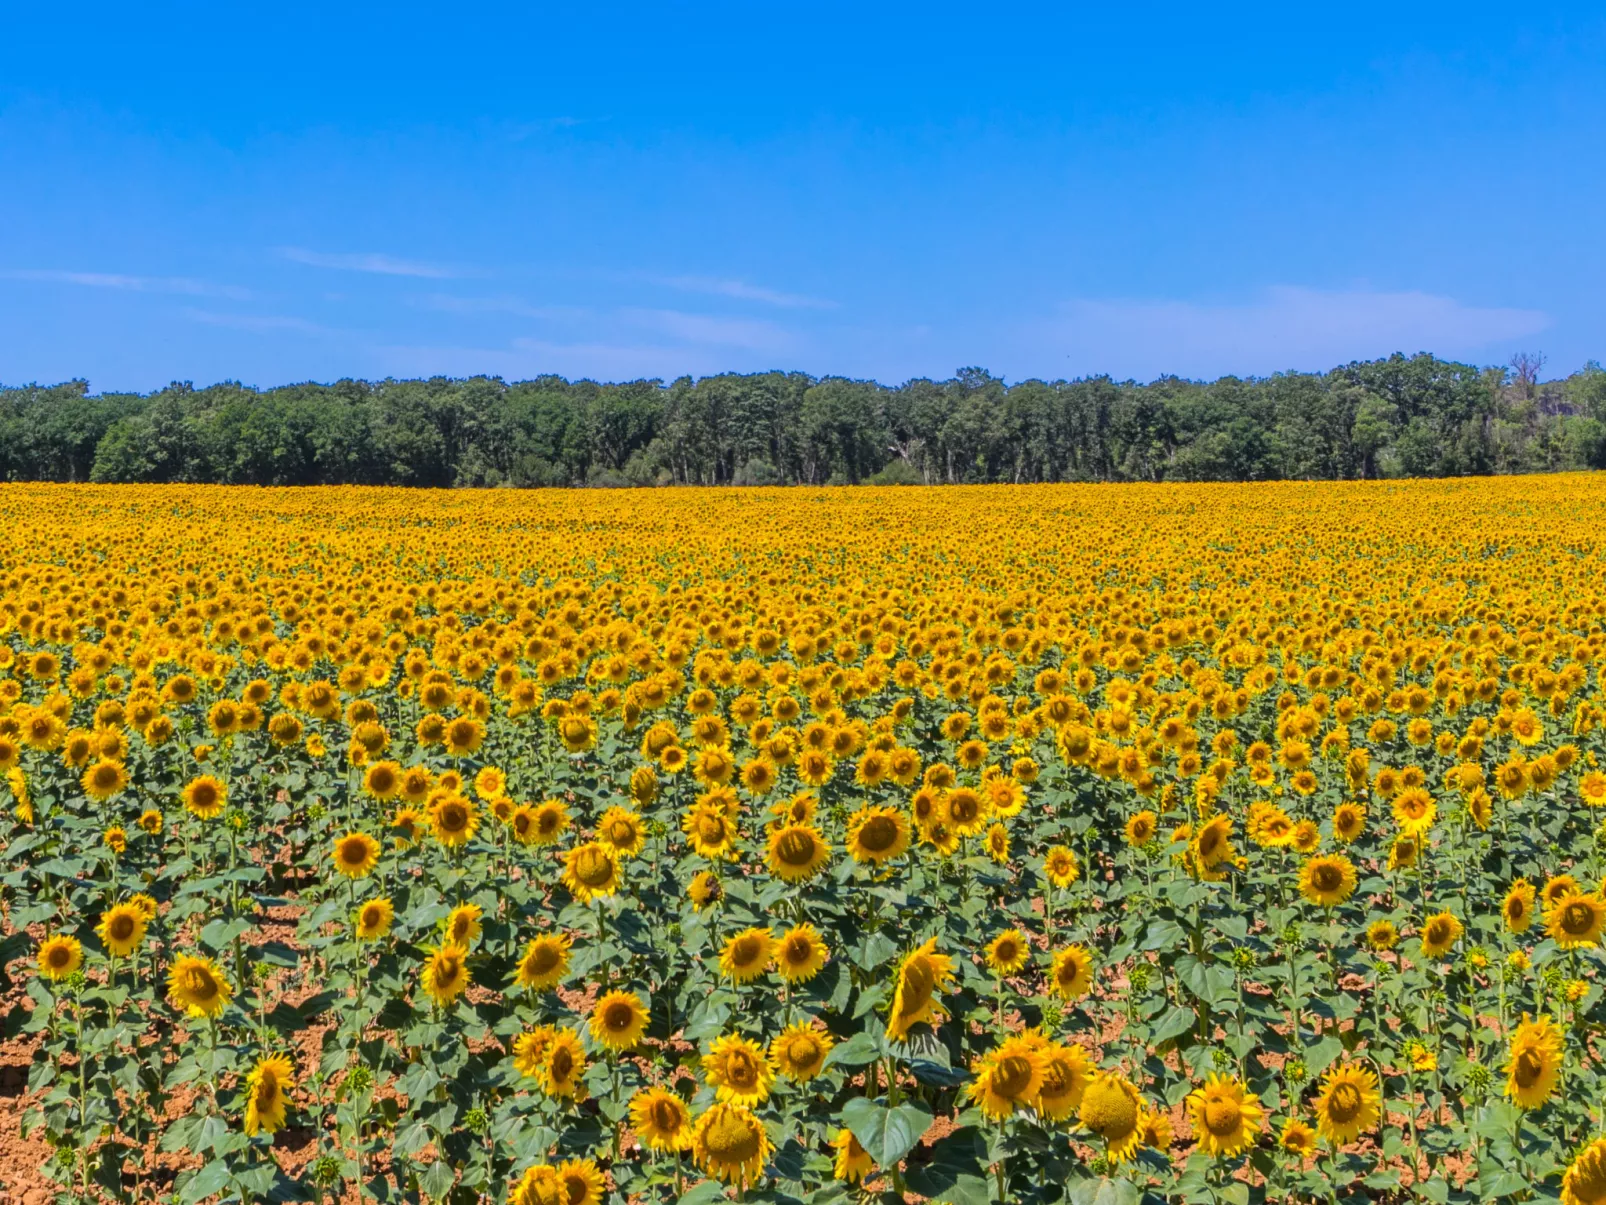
355 855
922 976
1404 852
545 962
205 797
1349 822
446 974
1327 880
1070 976
1006 1078
852 1163
738 1070
731 1144
618 1020
373 919
704 889
1533 1063
530 1050
1518 907
580 1182
1060 867
564 1066
59 957
1008 952
462 926
1575 920
150 822
121 929
1112 1109
266 1088
797 852
1348 1104
1414 811
799 1053
747 955
551 821
1226 1116
1212 844
710 832
590 872
453 820
622 831
1066 1075
104 779
1439 932
997 843
661 1120
1141 827
197 985
1584 1182
1382 935
1297 1138
877 834
800 953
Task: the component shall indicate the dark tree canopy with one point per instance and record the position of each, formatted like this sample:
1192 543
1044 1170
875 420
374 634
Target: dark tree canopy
1400 416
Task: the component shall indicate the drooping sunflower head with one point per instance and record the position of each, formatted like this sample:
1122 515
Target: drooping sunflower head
1225 1115
852 1163
564 1066
267 1088
1297 1138
922 976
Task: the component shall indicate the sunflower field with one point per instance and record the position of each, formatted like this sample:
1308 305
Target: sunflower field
1081 844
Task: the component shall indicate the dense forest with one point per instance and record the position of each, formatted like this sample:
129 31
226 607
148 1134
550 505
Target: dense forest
1400 416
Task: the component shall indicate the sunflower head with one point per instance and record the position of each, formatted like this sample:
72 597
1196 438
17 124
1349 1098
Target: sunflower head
731 1144
799 1053
355 855
1225 1115
618 1020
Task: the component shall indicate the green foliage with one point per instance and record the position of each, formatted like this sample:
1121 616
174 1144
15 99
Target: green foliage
1400 416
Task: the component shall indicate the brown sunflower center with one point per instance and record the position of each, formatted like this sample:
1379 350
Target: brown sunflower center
1344 1103
1222 1116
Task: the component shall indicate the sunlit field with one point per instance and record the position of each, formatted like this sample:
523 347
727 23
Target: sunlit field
1027 844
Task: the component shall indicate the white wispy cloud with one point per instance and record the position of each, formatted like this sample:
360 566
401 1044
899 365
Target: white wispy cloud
751 334
519 308
183 285
260 323
371 261
1284 327
741 290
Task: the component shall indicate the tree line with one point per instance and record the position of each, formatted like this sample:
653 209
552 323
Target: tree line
1399 416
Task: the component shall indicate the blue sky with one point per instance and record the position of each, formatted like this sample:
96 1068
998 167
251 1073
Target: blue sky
204 192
